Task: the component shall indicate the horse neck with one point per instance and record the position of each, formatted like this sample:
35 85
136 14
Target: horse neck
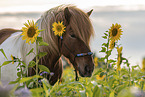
50 60
53 52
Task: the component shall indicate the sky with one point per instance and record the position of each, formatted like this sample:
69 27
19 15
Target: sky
42 5
132 23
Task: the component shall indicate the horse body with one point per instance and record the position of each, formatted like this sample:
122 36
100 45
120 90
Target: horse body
15 46
75 41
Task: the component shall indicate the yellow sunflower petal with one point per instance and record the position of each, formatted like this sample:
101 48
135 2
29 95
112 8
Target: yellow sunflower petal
24 28
24 37
32 40
33 22
12 59
111 44
27 40
26 25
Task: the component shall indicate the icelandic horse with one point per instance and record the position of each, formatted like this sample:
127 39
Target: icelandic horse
74 45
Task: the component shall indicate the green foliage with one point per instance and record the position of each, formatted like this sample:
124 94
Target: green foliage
3 53
43 68
116 83
96 92
41 42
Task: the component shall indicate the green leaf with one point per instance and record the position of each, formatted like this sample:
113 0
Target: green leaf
39 39
43 68
43 44
24 63
31 64
42 54
100 70
104 44
19 74
16 81
37 76
44 82
125 93
109 52
37 90
5 63
106 34
101 59
102 73
103 49
105 37
94 83
3 53
83 93
30 51
96 91
25 79
111 94
41 30
111 61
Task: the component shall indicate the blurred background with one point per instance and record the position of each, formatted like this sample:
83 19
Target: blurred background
130 14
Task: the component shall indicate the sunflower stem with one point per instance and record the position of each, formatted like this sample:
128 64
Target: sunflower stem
0 73
37 62
107 51
107 57
129 76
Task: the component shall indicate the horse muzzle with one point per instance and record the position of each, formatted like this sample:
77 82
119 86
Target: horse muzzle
87 71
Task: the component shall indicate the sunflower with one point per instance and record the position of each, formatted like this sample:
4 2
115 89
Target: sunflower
58 28
12 59
119 50
112 44
30 32
101 76
96 61
115 32
119 61
143 65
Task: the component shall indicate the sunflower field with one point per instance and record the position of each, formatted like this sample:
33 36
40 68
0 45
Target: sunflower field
109 79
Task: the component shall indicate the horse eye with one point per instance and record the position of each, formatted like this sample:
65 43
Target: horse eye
73 36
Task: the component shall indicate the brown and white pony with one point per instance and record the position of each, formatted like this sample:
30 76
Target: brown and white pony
74 45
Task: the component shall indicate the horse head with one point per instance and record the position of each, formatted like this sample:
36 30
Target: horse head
73 44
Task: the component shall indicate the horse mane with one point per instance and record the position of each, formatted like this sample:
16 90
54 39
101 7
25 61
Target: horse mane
5 33
79 23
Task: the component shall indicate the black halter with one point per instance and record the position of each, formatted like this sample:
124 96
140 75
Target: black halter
77 55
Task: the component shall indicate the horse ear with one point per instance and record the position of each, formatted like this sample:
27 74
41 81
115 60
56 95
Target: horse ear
67 15
89 13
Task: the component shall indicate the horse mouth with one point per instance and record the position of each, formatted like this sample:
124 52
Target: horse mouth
85 74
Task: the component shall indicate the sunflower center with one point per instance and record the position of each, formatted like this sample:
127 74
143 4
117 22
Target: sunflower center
59 28
100 75
114 32
31 32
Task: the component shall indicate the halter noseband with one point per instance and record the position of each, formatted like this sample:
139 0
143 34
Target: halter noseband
77 55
